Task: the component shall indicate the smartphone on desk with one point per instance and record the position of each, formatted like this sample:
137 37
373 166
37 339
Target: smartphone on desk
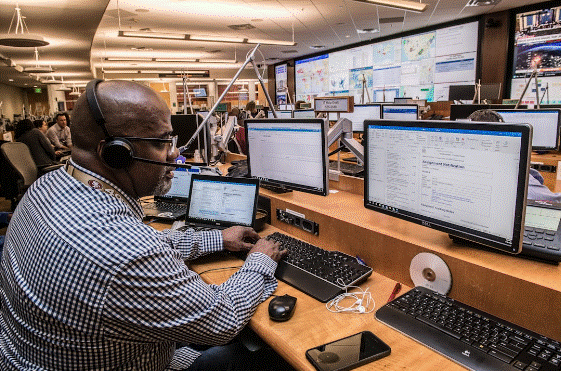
348 353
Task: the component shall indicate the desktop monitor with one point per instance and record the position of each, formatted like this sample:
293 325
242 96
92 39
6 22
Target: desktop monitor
467 179
400 111
280 114
304 114
545 123
289 153
463 111
199 92
184 126
362 112
490 91
461 92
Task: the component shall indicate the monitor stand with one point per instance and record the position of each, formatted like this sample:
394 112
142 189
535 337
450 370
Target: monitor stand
274 187
464 242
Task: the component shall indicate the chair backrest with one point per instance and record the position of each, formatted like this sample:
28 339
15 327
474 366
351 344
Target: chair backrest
19 157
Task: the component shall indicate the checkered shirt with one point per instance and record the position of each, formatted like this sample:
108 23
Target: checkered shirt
85 285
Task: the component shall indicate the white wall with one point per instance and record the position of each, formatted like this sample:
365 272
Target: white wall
13 99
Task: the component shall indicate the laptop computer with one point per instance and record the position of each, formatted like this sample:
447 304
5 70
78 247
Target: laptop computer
221 202
172 205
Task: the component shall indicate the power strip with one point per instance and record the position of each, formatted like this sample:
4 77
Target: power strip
298 220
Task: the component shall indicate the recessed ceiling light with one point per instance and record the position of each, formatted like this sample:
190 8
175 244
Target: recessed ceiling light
368 30
317 46
10 80
257 20
141 10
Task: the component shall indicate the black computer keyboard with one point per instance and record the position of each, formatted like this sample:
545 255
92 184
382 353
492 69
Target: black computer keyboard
474 339
348 168
320 273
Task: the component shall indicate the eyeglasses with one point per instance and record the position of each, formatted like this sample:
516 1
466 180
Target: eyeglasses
171 141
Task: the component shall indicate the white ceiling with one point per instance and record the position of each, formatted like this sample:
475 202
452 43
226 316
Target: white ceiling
83 33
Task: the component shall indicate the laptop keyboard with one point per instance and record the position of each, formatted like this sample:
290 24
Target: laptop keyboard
320 273
473 338
164 205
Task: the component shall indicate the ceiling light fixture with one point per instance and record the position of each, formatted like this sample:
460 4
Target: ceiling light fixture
38 68
75 91
186 37
21 37
63 87
411 6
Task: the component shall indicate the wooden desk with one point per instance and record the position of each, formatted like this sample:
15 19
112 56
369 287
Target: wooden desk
312 324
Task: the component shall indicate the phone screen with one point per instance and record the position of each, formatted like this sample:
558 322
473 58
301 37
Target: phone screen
348 353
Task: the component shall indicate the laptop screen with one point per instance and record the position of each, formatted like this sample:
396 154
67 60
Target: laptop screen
180 184
222 201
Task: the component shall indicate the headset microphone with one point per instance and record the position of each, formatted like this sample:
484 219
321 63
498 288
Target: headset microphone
117 152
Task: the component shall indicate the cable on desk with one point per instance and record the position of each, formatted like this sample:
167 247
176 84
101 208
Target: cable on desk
219 269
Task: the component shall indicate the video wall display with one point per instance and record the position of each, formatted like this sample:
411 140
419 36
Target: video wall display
537 46
281 79
420 66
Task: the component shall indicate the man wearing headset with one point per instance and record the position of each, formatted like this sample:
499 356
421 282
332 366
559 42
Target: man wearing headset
85 285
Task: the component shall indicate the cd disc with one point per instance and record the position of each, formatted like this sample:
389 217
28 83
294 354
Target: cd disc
430 271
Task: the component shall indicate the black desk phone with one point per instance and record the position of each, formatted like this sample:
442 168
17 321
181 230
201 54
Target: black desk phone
542 231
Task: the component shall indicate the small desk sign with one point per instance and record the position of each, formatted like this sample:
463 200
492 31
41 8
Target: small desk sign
334 104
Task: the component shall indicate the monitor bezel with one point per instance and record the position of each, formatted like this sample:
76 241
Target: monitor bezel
368 105
540 148
397 105
293 186
461 232
220 179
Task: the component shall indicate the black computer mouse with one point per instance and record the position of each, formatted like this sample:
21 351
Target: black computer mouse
281 308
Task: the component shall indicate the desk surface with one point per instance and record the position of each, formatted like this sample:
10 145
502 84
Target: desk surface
524 292
312 324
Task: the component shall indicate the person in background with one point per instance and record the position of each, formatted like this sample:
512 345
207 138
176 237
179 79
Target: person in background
59 134
4 220
41 149
42 126
85 284
536 189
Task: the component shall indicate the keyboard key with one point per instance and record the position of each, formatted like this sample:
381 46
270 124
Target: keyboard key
519 365
501 356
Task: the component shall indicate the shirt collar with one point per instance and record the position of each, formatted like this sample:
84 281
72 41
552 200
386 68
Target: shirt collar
132 202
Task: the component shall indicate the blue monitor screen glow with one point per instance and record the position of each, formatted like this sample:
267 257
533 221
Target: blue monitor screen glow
290 153
468 179
400 112
199 92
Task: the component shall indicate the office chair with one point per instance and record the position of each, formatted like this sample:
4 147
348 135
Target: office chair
23 172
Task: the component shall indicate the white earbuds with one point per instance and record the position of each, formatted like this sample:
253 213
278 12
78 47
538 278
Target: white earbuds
364 303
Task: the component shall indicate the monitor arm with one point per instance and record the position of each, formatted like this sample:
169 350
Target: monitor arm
343 129
227 131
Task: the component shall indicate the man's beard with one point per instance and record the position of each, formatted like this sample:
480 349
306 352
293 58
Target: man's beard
164 184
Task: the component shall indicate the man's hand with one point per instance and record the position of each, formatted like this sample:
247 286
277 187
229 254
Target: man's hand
269 248
237 239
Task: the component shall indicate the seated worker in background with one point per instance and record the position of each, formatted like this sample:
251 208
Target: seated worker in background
41 149
536 189
85 284
42 126
59 134
4 220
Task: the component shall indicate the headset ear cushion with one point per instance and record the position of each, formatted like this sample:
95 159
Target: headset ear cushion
117 153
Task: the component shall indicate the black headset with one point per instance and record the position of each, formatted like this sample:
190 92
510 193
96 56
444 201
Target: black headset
117 153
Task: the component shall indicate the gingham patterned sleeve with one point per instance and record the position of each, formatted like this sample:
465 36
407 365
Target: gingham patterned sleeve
193 244
155 297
